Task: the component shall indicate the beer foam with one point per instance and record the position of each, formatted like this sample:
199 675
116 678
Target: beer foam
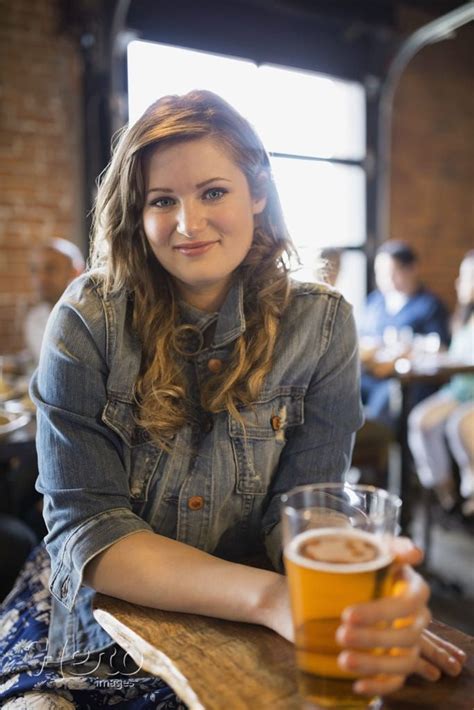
339 550
345 551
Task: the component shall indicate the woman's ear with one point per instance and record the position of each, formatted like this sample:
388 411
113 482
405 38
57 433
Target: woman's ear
260 194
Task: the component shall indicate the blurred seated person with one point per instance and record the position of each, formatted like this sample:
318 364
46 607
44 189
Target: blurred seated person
53 266
400 304
328 265
443 425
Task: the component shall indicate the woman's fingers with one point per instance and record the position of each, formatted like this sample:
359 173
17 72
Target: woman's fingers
446 645
427 670
372 664
406 551
395 624
381 685
369 637
413 599
440 655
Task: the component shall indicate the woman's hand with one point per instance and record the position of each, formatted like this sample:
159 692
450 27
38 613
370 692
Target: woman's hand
369 626
436 654
417 650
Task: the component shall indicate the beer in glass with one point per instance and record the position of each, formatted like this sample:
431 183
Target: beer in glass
337 553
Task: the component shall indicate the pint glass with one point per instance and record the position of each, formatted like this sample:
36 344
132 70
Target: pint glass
337 553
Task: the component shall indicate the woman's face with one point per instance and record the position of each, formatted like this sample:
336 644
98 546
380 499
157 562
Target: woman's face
391 275
198 217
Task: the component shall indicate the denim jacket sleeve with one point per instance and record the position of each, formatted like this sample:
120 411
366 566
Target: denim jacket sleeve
320 450
81 473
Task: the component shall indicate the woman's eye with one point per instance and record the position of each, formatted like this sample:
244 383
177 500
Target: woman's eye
215 193
163 202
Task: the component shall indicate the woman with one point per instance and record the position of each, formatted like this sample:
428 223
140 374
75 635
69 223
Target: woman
443 424
185 383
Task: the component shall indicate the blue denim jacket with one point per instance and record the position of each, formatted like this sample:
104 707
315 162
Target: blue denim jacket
103 479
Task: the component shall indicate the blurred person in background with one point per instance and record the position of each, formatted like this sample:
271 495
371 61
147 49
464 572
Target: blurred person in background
329 265
400 303
442 426
53 266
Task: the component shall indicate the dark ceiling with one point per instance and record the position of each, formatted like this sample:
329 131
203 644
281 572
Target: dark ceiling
373 11
350 38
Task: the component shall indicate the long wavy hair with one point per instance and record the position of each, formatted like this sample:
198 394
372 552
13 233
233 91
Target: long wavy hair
120 251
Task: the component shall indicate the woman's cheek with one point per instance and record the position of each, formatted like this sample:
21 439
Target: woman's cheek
156 229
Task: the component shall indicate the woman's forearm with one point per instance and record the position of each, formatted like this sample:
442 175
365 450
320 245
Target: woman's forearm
149 569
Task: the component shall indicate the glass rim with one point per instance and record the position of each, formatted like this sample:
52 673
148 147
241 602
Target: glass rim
334 486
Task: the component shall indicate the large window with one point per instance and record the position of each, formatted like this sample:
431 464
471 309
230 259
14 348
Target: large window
314 128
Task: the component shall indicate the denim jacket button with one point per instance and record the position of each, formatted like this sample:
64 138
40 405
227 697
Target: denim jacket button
275 421
195 502
214 365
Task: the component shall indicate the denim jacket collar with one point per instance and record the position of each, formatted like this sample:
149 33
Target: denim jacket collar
230 318
231 321
125 363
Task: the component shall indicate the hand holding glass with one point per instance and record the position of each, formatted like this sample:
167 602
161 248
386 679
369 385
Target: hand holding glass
337 553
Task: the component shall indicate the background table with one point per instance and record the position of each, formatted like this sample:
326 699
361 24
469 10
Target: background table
221 665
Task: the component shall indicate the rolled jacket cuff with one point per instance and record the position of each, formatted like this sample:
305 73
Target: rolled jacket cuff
88 540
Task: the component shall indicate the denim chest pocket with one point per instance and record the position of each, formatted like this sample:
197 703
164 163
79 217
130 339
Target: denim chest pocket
141 458
257 443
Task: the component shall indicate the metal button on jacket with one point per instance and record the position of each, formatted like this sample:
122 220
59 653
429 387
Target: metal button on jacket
214 365
195 502
276 422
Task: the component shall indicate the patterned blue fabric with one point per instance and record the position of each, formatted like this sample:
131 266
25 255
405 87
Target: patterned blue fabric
113 680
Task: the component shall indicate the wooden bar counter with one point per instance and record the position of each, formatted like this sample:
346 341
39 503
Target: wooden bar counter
221 665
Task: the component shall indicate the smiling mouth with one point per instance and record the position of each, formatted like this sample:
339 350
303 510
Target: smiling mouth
194 248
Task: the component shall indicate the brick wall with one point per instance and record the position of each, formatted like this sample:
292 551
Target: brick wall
433 156
40 148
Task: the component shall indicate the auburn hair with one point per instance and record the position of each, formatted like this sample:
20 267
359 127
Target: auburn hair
121 253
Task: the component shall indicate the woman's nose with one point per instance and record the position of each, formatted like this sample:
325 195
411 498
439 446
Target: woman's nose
191 220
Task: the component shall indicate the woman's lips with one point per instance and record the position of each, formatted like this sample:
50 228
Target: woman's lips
194 248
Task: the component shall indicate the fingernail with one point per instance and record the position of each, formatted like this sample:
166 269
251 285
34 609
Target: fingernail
348 614
454 663
434 673
341 635
453 666
345 661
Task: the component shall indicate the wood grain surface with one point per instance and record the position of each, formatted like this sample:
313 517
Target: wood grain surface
213 664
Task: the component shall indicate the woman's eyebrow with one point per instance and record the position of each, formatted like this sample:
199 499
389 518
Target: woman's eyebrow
213 179
159 189
198 185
